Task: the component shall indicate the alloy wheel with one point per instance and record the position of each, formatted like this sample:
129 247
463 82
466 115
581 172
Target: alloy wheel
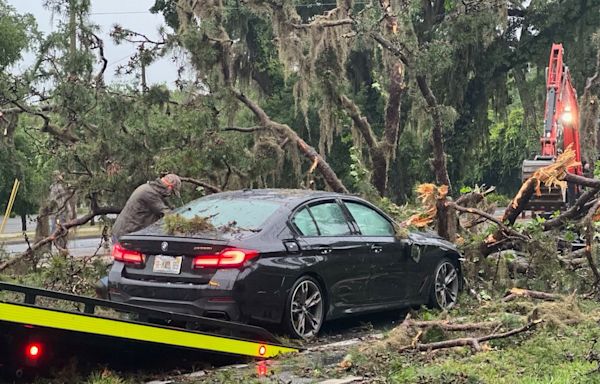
306 309
446 285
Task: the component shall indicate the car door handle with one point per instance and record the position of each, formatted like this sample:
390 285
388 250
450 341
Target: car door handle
376 248
324 249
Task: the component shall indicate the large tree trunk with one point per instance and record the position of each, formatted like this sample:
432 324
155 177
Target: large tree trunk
381 164
382 151
392 129
379 160
526 99
440 168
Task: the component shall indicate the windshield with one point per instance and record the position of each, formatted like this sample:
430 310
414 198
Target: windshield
241 213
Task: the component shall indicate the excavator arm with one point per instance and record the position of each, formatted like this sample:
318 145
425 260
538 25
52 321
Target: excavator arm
561 115
561 130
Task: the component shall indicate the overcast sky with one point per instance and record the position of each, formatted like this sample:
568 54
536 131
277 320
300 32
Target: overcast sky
131 14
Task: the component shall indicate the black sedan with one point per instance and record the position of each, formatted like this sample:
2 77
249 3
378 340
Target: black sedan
290 257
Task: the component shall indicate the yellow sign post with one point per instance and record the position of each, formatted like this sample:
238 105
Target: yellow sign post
11 202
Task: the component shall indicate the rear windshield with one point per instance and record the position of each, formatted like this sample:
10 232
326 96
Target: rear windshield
242 213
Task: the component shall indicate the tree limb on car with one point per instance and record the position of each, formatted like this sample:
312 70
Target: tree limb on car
203 184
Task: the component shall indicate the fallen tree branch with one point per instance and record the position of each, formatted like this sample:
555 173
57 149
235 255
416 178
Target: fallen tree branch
518 292
470 199
449 326
582 180
60 231
572 213
210 187
473 342
475 211
284 130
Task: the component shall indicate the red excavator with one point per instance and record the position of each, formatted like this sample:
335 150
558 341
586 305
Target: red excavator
561 130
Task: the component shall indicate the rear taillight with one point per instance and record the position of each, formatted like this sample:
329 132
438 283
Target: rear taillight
227 258
127 255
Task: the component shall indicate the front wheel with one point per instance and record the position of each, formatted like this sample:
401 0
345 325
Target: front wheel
444 290
305 308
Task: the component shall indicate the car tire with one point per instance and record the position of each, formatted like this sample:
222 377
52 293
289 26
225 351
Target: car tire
305 309
445 285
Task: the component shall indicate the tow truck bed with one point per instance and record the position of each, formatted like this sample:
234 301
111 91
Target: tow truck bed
27 325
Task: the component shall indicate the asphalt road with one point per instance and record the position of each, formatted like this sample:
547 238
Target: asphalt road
14 224
77 247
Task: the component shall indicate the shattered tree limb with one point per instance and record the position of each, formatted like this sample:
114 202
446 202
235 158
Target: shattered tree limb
284 130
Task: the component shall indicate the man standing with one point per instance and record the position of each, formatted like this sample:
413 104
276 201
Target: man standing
146 205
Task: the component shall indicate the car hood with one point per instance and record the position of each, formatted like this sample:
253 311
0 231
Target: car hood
432 238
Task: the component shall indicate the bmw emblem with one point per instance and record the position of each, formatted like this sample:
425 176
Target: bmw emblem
164 246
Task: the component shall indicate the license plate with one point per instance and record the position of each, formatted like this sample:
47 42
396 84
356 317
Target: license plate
167 264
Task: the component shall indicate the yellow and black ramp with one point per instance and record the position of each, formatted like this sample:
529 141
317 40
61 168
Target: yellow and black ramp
209 335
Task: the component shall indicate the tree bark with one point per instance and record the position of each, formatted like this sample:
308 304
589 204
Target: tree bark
440 168
392 129
574 212
520 201
518 292
526 99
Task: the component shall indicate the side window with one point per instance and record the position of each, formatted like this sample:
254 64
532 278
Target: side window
369 221
305 223
330 219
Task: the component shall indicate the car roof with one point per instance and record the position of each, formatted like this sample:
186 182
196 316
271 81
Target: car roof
286 196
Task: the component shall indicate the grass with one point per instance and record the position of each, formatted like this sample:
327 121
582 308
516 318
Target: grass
554 353
545 357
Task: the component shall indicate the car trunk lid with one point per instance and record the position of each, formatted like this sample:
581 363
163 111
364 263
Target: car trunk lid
171 259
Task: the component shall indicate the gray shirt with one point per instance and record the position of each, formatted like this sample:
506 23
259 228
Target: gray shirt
146 205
